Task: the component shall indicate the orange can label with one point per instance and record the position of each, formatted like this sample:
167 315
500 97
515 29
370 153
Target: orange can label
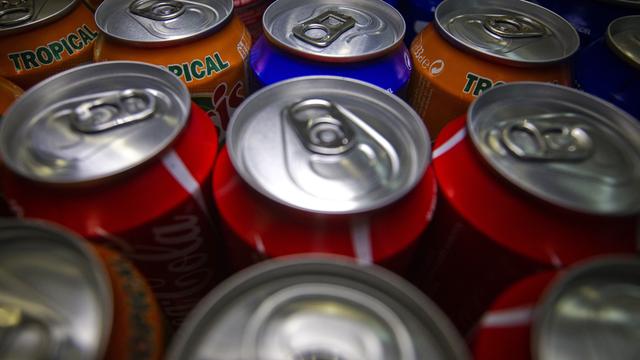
446 79
8 94
213 68
36 54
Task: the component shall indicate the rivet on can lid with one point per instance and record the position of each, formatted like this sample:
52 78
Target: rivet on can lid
337 31
161 22
328 145
21 15
514 32
561 145
102 119
623 37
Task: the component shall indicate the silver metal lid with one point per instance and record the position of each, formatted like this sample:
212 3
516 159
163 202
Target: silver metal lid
513 32
561 145
55 296
330 30
93 122
591 312
21 15
316 308
161 22
328 144
623 37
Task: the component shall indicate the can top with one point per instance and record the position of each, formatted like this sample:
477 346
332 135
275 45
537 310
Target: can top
56 298
93 122
161 22
328 144
21 15
514 32
590 312
623 37
561 145
336 31
316 308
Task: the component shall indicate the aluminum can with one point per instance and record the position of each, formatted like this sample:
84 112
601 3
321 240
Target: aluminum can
9 92
63 298
250 12
475 45
122 157
591 17
324 164
201 42
418 14
617 55
316 308
37 41
362 41
536 177
566 315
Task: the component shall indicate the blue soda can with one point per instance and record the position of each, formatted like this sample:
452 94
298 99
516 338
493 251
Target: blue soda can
418 14
590 18
360 39
393 3
610 66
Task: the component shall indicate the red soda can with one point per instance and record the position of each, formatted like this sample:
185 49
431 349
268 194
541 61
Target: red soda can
587 312
120 156
250 12
536 177
324 164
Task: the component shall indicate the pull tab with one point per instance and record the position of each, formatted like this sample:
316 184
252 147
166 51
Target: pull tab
321 126
323 29
15 12
110 111
159 10
513 26
529 141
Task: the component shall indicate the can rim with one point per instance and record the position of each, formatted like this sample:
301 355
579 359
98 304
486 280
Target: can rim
377 277
41 22
611 43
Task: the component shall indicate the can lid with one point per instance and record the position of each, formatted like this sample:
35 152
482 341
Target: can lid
623 37
561 145
55 295
328 144
514 32
93 122
161 22
336 31
316 308
591 312
21 15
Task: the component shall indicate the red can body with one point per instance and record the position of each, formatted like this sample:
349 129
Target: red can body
487 233
256 227
156 215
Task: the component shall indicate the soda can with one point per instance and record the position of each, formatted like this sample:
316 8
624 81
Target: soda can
121 157
475 45
363 40
536 177
9 92
63 298
316 308
617 55
250 12
591 17
418 14
566 315
39 38
324 164
200 42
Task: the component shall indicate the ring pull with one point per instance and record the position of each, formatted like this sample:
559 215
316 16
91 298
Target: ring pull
9 8
513 26
323 29
159 10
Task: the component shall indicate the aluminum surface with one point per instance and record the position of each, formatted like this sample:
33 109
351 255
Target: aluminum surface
328 144
561 145
591 312
623 37
161 22
514 32
55 296
93 122
21 15
330 30
316 308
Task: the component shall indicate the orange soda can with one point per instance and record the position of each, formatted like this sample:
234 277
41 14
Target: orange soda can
39 38
473 45
8 93
201 42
